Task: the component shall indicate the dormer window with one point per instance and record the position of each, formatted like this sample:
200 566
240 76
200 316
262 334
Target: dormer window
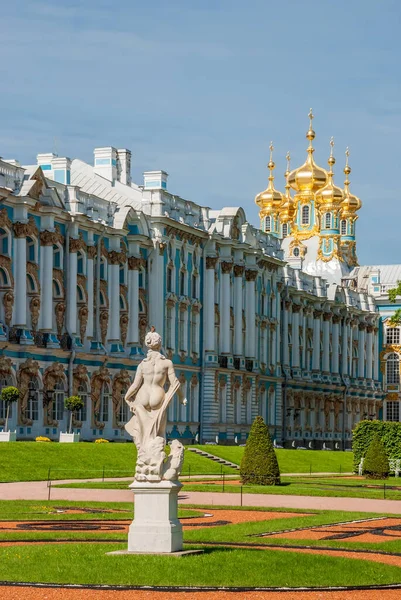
328 220
343 227
268 224
305 215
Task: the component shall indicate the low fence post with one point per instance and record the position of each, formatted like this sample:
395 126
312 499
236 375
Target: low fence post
223 482
384 491
310 469
103 474
241 495
340 469
189 472
49 486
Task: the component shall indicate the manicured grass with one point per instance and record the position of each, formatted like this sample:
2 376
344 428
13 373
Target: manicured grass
31 461
89 563
293 461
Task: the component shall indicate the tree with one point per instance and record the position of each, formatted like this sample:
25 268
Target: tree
395 320
73 404
375 465
259 464
9 395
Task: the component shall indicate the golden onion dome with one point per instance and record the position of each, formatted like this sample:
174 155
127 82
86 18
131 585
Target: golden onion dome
287 209
351 203
329 196
270 199
309 177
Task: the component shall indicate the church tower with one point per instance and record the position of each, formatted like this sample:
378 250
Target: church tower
317 223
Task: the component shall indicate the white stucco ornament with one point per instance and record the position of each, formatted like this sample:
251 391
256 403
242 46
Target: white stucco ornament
148 401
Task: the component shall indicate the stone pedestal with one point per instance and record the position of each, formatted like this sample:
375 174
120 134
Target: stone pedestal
156 527
8 436
69 438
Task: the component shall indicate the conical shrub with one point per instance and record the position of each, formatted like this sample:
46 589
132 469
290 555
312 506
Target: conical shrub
259 464
375 465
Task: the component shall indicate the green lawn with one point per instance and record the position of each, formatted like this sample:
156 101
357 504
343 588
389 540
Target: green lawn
31 461
89 563
293 461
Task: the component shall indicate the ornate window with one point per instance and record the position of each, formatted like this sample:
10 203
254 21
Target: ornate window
33 400
343 227
103 268
4 278
122 274
31 250
123 413
181 331
393 335
57 257
4 242
83 394
104 403
5 382
268 224
392 411
285 230
80 263
296 252
182 283
58 401
393 369
169 281
328 220
305 215
194 332
223 402
169 327
194 286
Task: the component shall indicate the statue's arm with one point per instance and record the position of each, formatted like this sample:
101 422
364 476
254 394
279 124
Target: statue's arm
173 379
134 388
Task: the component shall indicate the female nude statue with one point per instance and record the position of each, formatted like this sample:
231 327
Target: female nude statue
148 400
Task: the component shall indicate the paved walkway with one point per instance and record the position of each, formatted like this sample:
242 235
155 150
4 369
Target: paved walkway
38 490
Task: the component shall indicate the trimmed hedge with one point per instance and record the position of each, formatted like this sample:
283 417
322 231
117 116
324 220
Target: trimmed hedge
363 434
375 465
259 463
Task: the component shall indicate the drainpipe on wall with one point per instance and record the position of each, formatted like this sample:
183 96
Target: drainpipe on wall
346 388
284 388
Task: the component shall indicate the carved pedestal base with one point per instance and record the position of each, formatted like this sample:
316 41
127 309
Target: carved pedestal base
8 436
156 527
68 438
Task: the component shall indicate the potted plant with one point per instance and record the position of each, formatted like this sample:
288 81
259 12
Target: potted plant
73 404
9 395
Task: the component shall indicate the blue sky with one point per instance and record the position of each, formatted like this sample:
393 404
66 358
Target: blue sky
200 87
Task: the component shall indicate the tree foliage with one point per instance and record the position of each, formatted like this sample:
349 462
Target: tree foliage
364 432
259 463
376 464
73 403
395 320
9 394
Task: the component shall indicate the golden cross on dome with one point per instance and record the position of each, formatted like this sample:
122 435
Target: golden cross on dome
288 159
331 145
271 148
346 156
311 117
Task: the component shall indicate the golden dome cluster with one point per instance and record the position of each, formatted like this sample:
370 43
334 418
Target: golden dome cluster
311 184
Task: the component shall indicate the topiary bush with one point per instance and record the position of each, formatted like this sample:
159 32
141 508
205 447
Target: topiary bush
375 465
9 395
259 463
73 404
364 432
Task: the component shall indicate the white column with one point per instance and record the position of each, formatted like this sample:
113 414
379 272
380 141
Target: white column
91 252
361 350
114 296
72 287
20 276
238 282
295 335
133 298
304 339
369 351
316 340
250 276
376 355
286 348
335 346
209 304
345 347
226 268
326 342
156 288
46 267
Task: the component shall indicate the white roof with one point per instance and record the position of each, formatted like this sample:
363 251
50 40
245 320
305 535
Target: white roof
389 274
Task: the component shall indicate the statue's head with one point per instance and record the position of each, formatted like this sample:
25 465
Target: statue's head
153 340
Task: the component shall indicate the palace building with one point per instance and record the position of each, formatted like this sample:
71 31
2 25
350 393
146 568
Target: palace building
256 321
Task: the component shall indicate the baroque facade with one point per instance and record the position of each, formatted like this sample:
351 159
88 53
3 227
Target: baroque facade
90 261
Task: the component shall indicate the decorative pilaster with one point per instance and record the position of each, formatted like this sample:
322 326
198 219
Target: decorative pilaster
335 366
286 347
361 349
250 343
134 264
211 262
316 342
326 344
344 353
114 259
75 245
90 271
295 363
238 282
20 306
47 240
226 268
376 355
369 351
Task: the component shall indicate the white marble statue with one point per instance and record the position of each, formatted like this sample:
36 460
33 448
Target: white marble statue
148 401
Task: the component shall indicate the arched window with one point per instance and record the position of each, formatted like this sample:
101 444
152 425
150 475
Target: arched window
122 303
4 242
5 381
31 286
194 287
103 302
58 401
305 215
123 414
285 230
104 403
4 278
31 249
80 294
32 410
169 326
103 268
268 224
169 282
343 227
182 283
57 293
328 220
182 255
83 394
393 369
296 252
